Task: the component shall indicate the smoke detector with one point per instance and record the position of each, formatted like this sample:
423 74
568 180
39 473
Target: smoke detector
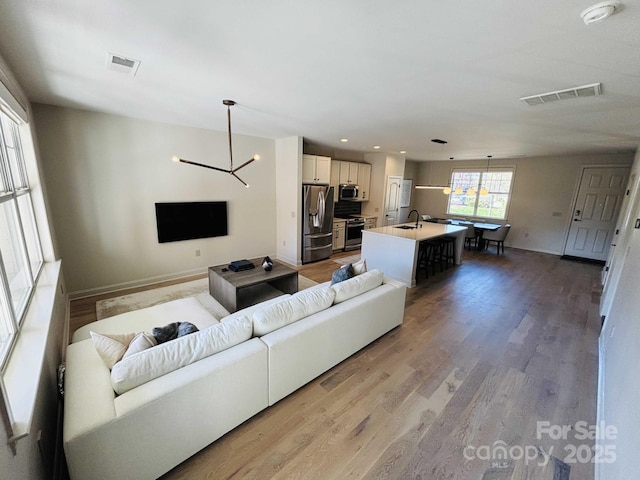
122 64
598 12
576 92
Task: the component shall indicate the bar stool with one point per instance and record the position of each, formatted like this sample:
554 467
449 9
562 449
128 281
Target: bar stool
426 255
447 251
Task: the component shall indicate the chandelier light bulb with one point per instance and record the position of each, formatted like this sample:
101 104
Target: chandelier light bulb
446 190
484 191
175 159
471 191
458 191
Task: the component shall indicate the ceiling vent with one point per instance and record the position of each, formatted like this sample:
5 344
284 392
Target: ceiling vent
122 64
576 92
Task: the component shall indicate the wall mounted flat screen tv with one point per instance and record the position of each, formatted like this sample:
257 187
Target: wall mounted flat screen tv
188 220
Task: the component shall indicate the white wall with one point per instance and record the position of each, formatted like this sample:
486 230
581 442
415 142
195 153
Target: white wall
542 187
383 165
105 172
289 199
619 395
410 173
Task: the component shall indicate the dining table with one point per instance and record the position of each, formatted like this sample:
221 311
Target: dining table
480 228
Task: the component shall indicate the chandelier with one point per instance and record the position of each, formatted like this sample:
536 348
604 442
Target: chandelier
231 170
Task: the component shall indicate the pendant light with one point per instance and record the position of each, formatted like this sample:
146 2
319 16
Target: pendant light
231 171
446 189
484 191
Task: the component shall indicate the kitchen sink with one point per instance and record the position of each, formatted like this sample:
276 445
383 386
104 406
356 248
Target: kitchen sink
406 227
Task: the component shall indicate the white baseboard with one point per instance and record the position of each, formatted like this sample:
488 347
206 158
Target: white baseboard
90 292
290 261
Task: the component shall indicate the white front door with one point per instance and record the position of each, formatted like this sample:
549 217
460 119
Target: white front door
392 200
596 210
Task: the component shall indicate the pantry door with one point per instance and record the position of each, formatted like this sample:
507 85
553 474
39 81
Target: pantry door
392 200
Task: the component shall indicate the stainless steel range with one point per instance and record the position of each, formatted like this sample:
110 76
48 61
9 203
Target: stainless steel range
353 235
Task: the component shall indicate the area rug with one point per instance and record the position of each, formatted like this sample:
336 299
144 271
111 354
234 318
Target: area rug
349 259
196 288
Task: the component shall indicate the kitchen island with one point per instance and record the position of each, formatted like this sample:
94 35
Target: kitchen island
394 249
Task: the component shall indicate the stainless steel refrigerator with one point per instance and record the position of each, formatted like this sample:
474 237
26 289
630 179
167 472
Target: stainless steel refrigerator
317 222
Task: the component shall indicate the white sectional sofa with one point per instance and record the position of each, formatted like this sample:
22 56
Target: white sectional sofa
148 429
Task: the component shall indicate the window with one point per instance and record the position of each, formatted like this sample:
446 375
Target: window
20 250
477 193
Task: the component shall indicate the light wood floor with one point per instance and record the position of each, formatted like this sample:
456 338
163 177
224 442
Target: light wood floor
486 350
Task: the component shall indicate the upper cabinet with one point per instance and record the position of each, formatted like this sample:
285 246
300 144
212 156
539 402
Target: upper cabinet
316 169
364 181
351 173
335 178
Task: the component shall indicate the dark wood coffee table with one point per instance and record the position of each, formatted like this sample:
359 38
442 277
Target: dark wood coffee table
237 290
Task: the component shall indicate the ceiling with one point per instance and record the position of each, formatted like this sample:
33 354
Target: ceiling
393 74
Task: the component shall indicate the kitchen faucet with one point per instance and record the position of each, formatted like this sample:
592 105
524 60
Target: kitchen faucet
417 216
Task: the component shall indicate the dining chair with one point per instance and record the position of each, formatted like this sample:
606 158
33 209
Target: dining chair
496 236
470 234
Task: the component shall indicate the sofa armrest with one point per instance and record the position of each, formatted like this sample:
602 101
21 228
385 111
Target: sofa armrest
88 391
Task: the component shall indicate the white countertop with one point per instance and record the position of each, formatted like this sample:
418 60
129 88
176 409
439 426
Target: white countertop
428 230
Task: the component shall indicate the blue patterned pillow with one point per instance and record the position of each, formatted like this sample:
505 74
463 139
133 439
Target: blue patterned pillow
345 272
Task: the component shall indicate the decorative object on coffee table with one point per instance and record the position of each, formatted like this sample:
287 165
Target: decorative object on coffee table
267 264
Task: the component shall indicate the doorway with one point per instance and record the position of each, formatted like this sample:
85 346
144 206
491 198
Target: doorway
595 212
392 200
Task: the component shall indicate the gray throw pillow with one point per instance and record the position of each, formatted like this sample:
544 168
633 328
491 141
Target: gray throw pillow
345 272
173 331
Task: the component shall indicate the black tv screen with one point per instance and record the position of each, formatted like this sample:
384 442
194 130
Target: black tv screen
189 220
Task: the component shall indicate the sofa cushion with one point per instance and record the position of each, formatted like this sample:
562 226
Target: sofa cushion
111 348
140 342
144 366
357 285
292 309
359 267
250 310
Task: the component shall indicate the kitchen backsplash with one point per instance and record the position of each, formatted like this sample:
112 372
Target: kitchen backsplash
346 208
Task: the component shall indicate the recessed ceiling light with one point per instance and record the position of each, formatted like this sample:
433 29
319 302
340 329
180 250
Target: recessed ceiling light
344 140
598 12
377 147
403 151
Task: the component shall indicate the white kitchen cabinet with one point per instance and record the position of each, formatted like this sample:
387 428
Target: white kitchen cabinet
349 173
335 178
370 223
339 230
364 181
316 169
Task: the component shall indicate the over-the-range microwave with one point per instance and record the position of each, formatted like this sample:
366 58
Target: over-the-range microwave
348 192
